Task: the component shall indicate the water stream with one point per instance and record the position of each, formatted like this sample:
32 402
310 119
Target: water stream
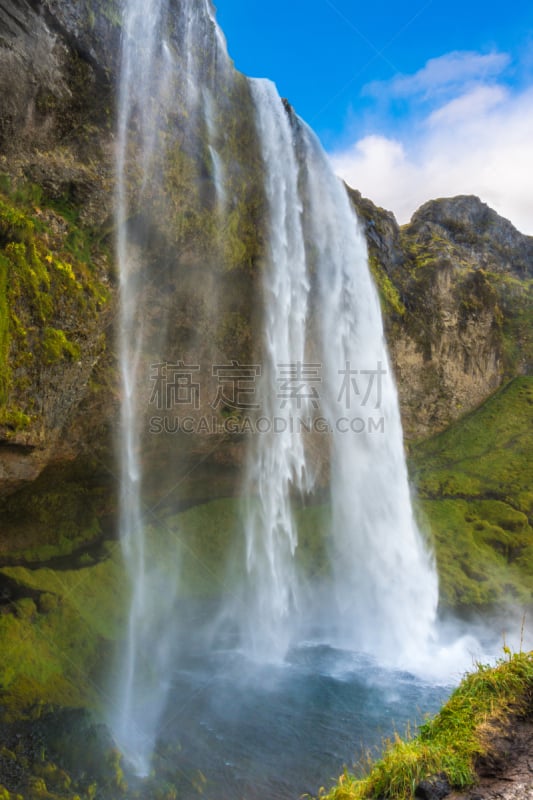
136 712
158 72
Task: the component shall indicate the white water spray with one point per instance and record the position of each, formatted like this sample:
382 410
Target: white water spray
276 461
153 80
139 701
385 582
319 299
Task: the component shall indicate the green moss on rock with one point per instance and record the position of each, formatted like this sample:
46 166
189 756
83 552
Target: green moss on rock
58 514
50 298
56 346
391 302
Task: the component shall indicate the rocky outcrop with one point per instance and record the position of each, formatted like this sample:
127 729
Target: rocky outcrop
455 285
56 63
507 774
471 226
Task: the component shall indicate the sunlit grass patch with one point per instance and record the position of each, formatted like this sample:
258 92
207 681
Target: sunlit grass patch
451 742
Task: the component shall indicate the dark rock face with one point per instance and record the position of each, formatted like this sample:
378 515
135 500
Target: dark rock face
507 772
56 168
30 59
90 27
382 233
51 55
436 788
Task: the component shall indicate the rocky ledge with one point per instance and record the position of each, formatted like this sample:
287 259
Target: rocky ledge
508 773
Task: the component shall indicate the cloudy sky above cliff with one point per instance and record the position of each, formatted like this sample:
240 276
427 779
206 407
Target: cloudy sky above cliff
412 100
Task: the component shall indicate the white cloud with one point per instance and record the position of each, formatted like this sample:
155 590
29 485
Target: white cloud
442 74
469 106
381 169
478 142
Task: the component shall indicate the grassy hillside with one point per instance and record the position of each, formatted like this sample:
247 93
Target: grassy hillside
475 493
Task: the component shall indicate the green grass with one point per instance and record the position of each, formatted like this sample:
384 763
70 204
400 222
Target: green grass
53 641
451 742
474 485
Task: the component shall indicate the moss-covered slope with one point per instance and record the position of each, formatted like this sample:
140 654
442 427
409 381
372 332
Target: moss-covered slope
475 493
56 628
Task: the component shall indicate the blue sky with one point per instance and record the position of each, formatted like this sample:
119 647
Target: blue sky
412 99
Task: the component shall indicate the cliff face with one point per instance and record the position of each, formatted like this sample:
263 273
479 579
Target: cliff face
455 282
59 384
56 199
456 289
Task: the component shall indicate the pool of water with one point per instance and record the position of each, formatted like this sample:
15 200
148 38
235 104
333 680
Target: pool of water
235 730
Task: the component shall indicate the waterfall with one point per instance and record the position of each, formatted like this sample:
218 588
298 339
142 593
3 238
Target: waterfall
323 360
384 580
276 460
159 73
323 334
139 701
